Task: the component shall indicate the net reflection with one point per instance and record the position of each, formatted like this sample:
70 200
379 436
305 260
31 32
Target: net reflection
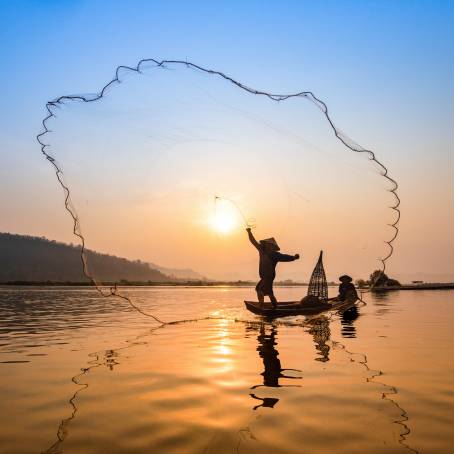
63 428
319 328
107 358
264 337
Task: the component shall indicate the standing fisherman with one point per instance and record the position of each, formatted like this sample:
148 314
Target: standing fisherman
269 258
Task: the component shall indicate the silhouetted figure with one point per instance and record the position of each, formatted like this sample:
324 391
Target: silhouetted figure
269 258
347 290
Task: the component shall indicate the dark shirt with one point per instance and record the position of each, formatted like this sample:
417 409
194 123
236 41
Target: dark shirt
269 259
346 291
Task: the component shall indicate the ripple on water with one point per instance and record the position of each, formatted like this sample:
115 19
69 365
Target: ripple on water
216 385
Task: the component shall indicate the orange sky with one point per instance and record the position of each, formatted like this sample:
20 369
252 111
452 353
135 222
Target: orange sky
145 164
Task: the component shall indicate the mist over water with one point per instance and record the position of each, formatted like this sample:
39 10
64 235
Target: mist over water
220 385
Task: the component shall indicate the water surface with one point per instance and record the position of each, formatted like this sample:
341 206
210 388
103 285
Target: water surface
80 373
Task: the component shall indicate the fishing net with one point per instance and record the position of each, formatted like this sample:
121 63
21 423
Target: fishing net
170 165
317 285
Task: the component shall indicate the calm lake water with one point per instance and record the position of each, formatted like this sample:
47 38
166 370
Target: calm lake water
83 374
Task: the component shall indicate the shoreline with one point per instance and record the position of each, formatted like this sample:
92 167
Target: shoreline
426 286
150 284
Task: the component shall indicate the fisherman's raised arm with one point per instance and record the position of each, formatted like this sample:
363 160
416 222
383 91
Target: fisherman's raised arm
252 239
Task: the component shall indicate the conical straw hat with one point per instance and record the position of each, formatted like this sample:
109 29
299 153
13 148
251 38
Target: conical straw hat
345 278
271 241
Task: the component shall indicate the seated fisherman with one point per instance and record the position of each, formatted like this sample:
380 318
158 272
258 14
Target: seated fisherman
347 290
269 258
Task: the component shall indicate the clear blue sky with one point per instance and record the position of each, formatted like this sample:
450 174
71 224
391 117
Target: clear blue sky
384 67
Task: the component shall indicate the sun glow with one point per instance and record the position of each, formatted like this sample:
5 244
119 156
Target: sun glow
224 220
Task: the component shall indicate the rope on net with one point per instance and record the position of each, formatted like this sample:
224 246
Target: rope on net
51 106
248 222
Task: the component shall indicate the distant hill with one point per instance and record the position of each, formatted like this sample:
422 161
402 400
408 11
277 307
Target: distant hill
179 273
33 259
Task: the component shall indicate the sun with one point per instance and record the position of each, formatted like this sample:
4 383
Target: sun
224 221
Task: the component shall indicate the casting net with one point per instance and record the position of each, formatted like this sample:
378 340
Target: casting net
170 165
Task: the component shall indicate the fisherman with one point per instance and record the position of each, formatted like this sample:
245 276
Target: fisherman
269 258
347 290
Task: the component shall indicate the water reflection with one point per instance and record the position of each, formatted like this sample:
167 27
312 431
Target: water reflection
319 328
348 322
108 358
45 317
63 427
268 402
41 319
381 300
273 370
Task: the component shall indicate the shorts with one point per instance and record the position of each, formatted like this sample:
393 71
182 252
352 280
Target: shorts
265 286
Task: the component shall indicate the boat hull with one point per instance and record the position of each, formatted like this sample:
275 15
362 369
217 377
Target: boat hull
289 308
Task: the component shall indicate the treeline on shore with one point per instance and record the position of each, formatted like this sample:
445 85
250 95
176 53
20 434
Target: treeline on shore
378 279
125 283
33 259
29 260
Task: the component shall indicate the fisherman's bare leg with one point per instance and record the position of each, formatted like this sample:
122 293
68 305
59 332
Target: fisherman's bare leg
260 297
273 300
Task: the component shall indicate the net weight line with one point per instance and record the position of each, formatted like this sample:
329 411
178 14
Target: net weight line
249 223
51 106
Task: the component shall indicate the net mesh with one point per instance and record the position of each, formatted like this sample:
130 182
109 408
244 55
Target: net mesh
317 285
145 159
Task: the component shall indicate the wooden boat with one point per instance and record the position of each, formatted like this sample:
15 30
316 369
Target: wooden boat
288 308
